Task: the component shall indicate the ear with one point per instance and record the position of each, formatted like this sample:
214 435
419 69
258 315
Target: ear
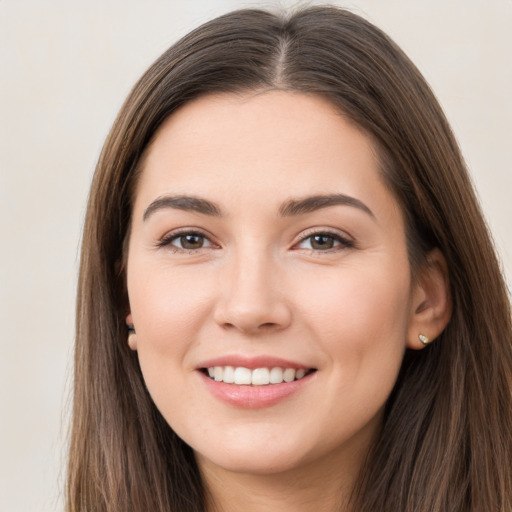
431 305
132 336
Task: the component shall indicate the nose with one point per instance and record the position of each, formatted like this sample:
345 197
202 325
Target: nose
252 297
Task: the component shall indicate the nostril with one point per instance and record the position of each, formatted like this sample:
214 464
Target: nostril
251 317
228 325
266 326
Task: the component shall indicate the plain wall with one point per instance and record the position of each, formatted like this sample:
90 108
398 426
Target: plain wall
65 68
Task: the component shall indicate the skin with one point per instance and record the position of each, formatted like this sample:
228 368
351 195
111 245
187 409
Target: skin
260 285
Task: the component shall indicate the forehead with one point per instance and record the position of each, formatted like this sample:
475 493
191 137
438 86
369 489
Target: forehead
271 145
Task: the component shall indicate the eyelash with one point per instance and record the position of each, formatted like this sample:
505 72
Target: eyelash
344 243
168 240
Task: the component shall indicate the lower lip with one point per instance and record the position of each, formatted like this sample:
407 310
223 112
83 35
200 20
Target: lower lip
254 397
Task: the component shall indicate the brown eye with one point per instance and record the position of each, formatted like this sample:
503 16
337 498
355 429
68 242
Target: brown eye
186 241
191 241
322 242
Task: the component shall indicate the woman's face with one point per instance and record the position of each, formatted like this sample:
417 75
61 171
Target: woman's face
265 247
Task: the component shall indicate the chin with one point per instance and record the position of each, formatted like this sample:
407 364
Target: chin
251 462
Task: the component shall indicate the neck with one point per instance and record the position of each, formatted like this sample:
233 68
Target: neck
324 487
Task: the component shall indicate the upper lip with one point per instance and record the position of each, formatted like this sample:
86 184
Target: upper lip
252 362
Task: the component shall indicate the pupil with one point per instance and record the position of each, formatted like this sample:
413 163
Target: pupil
191 241
322 242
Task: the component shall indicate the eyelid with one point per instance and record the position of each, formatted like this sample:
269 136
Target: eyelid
166 240
345 241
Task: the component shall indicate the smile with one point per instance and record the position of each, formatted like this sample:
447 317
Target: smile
256 377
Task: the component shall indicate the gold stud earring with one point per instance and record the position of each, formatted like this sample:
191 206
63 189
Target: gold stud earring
423 339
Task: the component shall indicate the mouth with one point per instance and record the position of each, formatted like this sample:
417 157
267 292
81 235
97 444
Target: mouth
265 376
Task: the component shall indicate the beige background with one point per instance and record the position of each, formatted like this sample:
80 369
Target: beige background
65 68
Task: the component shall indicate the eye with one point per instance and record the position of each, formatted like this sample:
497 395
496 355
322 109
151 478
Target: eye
324 242
186 241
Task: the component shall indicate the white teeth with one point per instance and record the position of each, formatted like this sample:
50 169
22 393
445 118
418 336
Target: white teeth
289 375
243 376
256 377
229 375
260 377
276 375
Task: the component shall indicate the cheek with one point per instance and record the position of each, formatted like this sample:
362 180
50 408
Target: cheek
358 298
169 309
360 324
168 312
165 302
360 320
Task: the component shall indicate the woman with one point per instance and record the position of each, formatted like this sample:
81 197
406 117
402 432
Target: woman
288 297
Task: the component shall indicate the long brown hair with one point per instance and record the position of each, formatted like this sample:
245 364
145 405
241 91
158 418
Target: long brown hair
446 441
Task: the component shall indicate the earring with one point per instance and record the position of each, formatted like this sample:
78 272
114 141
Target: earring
132 336
423 339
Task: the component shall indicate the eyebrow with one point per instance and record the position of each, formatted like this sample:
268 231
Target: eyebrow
312 203
290 208
186 203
